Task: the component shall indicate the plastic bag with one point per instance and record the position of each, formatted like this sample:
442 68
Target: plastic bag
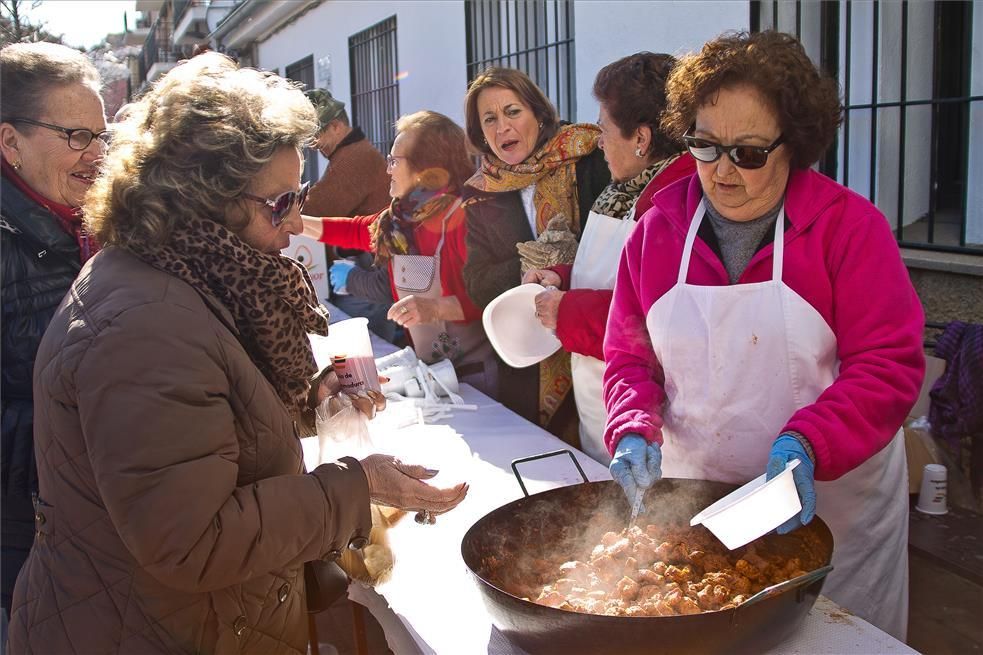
342 430
373 564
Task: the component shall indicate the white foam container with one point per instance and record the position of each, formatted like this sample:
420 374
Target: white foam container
753 510
515 333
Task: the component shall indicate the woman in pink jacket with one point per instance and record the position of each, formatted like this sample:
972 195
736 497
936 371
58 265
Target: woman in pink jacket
762 314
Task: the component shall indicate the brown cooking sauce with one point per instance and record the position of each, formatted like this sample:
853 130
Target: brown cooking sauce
666 571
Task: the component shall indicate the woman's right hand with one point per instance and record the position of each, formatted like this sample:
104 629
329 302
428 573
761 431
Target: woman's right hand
400 485
541 276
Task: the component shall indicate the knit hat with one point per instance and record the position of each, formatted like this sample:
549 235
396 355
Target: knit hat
328 109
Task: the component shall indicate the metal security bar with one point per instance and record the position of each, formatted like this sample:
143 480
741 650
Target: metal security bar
303 71
374 68
907 141
535 36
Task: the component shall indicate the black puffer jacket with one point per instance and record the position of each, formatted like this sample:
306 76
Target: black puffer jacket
40 261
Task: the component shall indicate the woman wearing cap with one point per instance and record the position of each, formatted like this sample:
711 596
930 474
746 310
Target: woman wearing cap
534 170
174 514
52 136
642 160
420 237
750 337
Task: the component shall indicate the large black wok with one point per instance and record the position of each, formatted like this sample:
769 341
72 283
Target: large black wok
500 545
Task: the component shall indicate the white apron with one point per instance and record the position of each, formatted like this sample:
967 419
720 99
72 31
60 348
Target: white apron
596 267
465 345
739 360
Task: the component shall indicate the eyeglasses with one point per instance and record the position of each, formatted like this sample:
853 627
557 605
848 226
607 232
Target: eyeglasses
392 161
79 138
283 203
750 157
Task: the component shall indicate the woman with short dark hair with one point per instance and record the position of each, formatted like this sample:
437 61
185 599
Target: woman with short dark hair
762 317
642 159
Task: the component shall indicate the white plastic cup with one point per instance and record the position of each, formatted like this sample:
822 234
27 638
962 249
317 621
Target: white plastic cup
413 388
398 377
351 354
932 496
444 371
399 367
401 358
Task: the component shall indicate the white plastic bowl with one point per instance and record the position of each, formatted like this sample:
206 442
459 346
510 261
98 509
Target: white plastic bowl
513 329
755 509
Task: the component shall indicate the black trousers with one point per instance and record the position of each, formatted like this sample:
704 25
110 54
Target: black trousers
17 536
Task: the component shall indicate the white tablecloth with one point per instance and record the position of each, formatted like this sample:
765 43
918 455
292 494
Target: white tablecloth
432 605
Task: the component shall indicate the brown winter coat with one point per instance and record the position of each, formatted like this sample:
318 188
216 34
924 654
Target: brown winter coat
174 515
355 184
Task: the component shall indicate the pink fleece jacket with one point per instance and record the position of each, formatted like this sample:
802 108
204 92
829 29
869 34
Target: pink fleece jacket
841 258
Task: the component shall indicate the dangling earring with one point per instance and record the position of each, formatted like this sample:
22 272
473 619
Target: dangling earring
16 165
540 124
638 151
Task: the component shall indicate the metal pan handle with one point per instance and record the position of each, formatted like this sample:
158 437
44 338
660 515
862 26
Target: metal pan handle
533 458
799 581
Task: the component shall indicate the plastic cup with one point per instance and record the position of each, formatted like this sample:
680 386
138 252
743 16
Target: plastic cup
932 496
444 371
351 354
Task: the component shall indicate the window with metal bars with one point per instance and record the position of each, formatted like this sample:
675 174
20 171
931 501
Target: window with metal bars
374 67
535 36
912 134
303 71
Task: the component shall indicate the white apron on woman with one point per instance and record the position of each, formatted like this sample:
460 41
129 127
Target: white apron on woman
739 360
464 344
596 267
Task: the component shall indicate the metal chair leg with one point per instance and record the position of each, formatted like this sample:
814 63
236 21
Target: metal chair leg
358 628
312 634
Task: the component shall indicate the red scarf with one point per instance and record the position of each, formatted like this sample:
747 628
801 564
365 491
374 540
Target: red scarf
69 218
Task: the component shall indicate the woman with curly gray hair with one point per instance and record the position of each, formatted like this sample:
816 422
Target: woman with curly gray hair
174 513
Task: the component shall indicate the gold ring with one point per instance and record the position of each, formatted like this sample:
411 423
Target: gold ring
404 310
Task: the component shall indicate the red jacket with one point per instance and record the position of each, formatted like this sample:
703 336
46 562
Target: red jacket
353 232
583 313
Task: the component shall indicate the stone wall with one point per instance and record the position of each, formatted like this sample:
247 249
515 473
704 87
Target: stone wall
948 296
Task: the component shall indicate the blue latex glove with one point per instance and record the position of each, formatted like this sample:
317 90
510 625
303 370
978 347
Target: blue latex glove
338 275
784 450
636 464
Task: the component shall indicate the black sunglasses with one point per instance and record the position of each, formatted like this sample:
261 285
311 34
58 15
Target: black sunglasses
743 156
79 138
283 203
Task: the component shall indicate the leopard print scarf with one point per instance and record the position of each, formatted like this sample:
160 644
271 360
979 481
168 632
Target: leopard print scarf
617 198
271 299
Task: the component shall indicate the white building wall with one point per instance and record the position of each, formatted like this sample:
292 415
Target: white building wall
607 30
430 44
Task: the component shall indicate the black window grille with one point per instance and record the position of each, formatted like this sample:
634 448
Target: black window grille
535 36
904 69
374 68
303 71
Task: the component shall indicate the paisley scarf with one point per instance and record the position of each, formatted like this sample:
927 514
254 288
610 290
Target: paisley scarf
392 232
271 299
552 169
